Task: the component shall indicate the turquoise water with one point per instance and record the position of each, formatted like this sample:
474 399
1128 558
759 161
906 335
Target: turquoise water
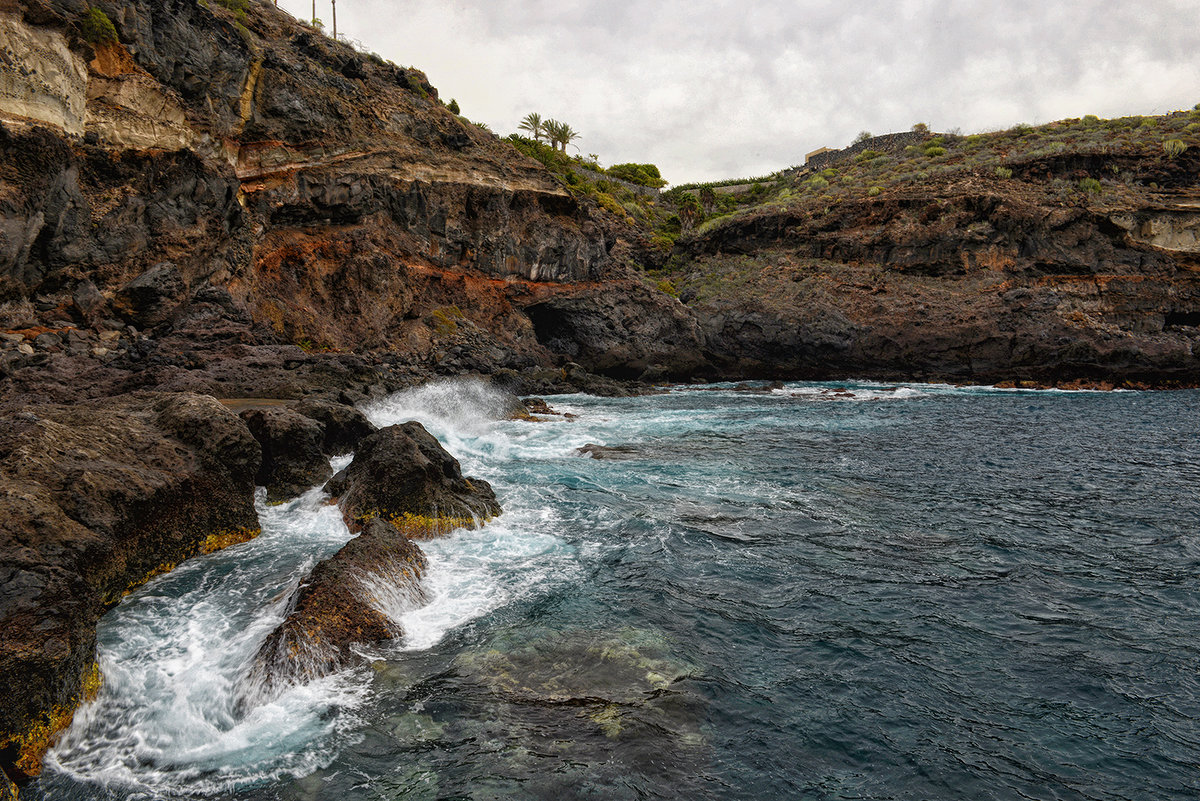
827 591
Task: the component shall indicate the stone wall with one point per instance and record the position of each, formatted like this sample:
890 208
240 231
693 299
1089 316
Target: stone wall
892 144
592 175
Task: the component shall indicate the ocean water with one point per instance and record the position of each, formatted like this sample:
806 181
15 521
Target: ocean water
825 591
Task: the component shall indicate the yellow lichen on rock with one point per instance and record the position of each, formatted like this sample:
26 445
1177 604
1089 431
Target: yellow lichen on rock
224 539
32 745
417 527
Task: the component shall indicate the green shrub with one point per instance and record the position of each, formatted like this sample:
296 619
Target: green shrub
1091 186
934 152
609 203
97 28
641 174
453 107
874 191
829 173
1003 173
238 7
818 182
1174 147
1090 119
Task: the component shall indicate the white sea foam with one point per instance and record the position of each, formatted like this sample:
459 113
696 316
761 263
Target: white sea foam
174 653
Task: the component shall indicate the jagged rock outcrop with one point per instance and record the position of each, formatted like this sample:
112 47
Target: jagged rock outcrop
355 596
401 484
293 460
403 475
95 499
342 426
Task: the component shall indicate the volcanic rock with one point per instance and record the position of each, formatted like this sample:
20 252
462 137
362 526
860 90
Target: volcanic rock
343 425
95 499
355 596
292 458
403 475
150 298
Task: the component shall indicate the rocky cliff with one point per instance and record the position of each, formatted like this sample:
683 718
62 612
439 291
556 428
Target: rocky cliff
1052 256
305 199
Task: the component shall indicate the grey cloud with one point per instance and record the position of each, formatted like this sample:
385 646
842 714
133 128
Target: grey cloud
718 88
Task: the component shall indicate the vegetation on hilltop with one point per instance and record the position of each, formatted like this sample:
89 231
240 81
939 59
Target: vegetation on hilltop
1069 162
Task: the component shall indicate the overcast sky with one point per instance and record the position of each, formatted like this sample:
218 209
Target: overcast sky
710 89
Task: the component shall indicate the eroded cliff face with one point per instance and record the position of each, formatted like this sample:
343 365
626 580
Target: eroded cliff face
329 193
971 278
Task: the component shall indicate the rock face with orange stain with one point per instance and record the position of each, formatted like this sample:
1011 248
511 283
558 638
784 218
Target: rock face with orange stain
95 499
332 197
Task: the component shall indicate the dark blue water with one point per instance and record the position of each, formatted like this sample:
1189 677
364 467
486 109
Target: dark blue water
930 593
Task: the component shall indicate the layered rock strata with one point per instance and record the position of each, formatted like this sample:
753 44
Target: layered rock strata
971 280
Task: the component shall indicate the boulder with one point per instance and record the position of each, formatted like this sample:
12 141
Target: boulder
343 425
150 299
403 475
292 460
95 499
355 596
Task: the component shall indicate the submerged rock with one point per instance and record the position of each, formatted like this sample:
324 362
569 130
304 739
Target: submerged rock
96 499
628 666
403 475
607 451
292 458
355 596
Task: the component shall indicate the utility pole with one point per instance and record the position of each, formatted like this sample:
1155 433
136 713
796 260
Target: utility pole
334 4
313 19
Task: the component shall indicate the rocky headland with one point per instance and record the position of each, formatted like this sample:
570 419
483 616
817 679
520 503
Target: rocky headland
220 229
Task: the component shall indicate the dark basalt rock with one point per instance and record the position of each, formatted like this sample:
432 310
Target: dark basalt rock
149 299
95 499
403 475
292 459
343 425
342 602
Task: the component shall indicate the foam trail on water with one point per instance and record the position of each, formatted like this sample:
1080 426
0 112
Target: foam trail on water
166 720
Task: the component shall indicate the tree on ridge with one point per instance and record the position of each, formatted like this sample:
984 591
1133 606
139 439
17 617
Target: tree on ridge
533 123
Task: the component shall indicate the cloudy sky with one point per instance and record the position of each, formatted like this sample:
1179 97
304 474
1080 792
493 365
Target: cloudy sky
713 89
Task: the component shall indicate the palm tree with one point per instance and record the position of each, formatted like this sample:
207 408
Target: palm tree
533 123
560 134
566 135
552 129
